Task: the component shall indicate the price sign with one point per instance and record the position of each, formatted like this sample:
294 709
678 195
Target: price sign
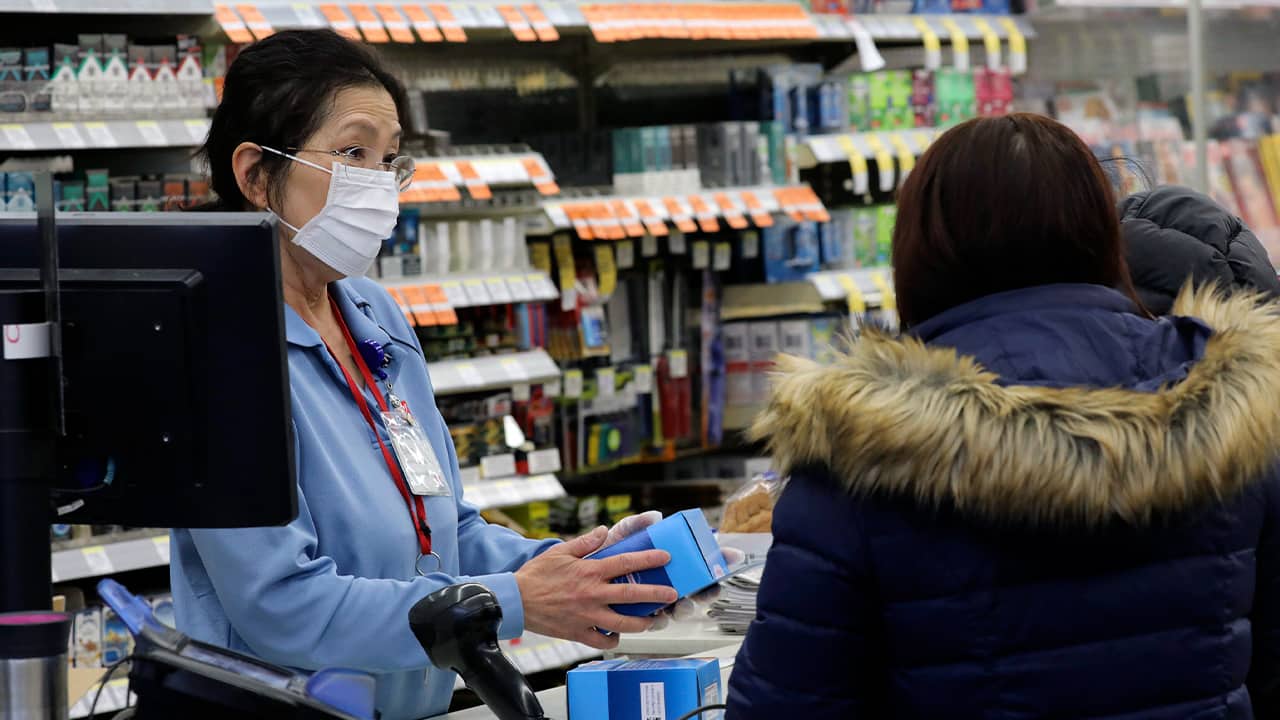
498 290
678 363
625 254
198 130
17 137
644 379
544 461
606 382
495 466
97 560
701 255
455 295
68 136
162 548
100 135
722 257
648 246
520 290
477 293
676 243
151 133
573 384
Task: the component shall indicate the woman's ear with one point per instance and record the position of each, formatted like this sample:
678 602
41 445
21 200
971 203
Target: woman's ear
253 186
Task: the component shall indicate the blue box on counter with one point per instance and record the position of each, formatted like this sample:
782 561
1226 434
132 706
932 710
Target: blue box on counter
643 689
696 561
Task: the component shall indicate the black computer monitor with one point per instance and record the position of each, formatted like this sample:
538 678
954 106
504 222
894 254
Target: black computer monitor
176 379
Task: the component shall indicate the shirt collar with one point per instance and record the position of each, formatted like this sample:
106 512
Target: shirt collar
1032 299
358 314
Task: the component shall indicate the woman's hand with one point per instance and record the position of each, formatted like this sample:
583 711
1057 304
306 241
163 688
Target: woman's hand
568 597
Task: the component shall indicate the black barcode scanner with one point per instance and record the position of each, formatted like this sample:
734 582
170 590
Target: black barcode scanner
458 627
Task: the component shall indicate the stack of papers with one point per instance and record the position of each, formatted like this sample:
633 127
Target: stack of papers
734 610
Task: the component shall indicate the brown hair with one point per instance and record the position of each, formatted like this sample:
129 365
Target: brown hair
999 204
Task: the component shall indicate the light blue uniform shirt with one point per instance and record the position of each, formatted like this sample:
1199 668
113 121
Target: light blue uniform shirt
333 588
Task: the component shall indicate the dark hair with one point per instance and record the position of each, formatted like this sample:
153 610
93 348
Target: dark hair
278 92
999 204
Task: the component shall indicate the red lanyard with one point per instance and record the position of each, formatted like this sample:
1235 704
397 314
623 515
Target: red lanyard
417 509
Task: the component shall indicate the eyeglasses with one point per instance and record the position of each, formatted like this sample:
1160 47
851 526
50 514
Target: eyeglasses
357 156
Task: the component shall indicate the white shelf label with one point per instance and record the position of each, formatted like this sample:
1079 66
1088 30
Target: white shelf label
701 254
750 245
151 133
97 560
455 295
678 363
162 548
520 290
470 376
606 382
68 136
558 216
573 384
722 257
644 379
17 137
100 135
625 252
827 287
648 246
676 243
542 286
544 461
497 466
197 130
498 290
521 392
477 294
307 15
513 369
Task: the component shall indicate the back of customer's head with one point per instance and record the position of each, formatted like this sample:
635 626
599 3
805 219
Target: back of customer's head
999 204
277 93
1173 234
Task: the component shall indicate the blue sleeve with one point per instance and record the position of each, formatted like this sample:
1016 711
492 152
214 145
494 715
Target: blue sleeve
493 551
811 651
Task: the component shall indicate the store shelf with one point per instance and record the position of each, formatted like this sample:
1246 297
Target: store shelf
446 179
477 289
905 28
766 300
833 285
451 377
615 217
115 557
110 7
486 494
822 149
66 136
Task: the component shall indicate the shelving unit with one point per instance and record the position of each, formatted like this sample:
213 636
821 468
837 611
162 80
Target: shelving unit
451 377
462 290
110 557
106 135
107 7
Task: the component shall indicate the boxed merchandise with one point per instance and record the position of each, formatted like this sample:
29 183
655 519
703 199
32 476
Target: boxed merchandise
20 191
642 689
696 561
764 351
794 338
117 641
88 634
739 390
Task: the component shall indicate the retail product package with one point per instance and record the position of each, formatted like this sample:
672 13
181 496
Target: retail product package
643 689
696 561
750 509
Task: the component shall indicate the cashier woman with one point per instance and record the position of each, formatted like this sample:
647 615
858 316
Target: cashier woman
309 129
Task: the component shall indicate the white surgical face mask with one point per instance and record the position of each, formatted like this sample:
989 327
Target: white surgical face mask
360 212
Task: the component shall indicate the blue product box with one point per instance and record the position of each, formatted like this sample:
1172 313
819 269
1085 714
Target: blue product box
643 689
696 561
20 191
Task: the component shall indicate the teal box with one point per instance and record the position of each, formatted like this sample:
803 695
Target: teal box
643 689
696 561
662 136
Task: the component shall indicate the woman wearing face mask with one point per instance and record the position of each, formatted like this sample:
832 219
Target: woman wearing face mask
309 129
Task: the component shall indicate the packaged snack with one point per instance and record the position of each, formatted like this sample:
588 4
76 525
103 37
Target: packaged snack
750 509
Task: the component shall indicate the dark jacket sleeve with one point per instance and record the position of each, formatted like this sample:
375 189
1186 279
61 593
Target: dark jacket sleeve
1264 670
814 650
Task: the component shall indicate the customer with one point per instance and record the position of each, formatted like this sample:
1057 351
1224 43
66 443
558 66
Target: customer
309 129
1174 233
1046 503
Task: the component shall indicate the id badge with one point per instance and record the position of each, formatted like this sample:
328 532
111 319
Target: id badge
418 460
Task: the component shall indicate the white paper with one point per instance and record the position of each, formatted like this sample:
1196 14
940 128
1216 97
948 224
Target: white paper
644 379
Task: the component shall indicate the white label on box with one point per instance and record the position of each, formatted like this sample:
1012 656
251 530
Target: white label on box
701 254
498 290
678 364
750 245
625 252
151 133
644 379
68 136
477 293
711 696
653 701
97 560
606 382
496 466
521 392
648 245
520 290
573 384
544 461
18 137
455 295
162 548
676 243
470 376
101 135
723 256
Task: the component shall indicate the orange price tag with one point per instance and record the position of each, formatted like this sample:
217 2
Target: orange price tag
232 25
443 189
578 217
679 216
440 307
404 305
340 21
258 24
369 24
418 305
756 209
600 23
541 24
787 201
541 178
478 188
811 204
704 214
652 221
422 23
449 26
732 214
396 24
518 23
609 223
630 222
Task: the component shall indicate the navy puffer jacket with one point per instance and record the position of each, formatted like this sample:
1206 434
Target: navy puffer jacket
1049 508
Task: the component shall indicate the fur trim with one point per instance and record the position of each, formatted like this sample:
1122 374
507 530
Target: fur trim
898 418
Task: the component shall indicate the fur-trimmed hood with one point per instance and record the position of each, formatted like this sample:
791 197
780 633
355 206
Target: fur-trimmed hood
898 418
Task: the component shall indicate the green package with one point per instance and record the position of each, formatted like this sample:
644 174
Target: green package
864 237
98 188
886 217
859 102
